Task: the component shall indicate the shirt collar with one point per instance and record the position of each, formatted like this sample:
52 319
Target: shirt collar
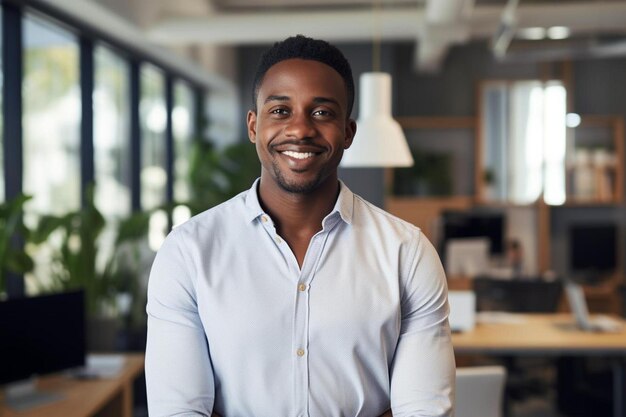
344 205
253 207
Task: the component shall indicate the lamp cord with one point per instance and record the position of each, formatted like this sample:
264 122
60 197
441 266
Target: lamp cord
377 24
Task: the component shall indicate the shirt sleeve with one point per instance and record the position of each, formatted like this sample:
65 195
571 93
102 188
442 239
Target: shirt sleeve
179 376
423 367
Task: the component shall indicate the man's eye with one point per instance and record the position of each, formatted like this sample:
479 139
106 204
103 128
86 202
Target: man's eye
322 113
279 111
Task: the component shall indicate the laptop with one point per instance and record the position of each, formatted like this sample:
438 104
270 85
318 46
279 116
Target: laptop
578 304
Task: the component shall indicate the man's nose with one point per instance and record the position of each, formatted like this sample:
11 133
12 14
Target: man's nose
300 126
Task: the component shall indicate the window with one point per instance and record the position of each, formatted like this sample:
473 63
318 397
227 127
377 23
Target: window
2 188
183 117
111 137
153 121
524 141
48 124
51 131
153 115
111 134
51 118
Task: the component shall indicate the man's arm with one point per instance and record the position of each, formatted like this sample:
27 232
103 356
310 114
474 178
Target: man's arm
179 376
423 368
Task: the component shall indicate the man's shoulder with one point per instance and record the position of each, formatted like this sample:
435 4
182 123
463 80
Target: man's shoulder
368 215
221 215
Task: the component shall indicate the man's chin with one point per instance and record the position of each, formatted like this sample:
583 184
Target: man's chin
298 187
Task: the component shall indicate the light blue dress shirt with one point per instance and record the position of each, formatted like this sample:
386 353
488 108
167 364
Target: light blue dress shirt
236 326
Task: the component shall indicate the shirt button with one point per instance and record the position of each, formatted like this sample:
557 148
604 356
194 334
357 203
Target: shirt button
264 219
302 287
300 352
278 240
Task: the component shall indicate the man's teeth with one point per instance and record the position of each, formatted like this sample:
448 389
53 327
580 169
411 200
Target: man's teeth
298 155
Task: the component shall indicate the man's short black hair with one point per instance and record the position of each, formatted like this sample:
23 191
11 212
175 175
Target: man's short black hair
302 47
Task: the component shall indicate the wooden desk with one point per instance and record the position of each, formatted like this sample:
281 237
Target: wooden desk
106 397
548 335
552 334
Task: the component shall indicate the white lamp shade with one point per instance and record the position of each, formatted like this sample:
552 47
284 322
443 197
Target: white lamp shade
379 140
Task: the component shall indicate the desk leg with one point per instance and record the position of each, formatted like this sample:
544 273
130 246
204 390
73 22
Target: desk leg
619 370
127 399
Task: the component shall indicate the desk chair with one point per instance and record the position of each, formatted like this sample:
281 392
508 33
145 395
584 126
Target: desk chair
480 391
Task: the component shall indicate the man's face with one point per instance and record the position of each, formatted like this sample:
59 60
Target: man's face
300 128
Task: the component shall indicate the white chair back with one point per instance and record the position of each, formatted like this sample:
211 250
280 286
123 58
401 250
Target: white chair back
480 391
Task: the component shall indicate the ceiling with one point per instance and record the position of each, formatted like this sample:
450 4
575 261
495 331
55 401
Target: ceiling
596 27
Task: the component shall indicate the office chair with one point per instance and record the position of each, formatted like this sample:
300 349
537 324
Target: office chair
480 391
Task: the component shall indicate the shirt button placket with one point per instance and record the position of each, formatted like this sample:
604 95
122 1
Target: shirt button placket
301 343
302 325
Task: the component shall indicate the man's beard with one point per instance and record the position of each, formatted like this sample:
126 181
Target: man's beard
300 187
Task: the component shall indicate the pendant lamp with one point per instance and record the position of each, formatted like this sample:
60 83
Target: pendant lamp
379 140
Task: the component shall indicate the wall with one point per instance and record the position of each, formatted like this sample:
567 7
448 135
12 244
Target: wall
599 89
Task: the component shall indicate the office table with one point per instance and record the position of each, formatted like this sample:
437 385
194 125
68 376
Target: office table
547 335
102 397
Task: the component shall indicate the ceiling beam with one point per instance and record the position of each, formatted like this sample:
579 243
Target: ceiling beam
446 24
402 23
261 28
435 26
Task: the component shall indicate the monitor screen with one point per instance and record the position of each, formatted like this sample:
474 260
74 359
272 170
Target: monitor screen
41 335
472 224
593 247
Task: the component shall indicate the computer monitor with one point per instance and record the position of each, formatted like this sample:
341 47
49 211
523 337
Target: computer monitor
41 335
517 295
460 224
592 251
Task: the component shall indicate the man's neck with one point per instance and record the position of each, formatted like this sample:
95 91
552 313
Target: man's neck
297 213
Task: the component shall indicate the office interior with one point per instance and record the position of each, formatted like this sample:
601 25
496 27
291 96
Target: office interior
121 119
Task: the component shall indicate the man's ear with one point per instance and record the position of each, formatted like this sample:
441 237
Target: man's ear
251 123
349 134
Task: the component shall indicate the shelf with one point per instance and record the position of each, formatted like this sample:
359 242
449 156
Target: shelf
503 204
595 162
588 203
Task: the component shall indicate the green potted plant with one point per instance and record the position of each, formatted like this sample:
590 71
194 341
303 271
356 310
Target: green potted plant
13 257
489 181
429 176
75 262
215 175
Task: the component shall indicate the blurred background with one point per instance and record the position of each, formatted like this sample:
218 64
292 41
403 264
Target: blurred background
122 118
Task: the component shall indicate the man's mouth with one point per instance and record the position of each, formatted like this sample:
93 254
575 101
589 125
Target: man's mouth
299 155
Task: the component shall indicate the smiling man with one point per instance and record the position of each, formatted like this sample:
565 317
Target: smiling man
297 297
